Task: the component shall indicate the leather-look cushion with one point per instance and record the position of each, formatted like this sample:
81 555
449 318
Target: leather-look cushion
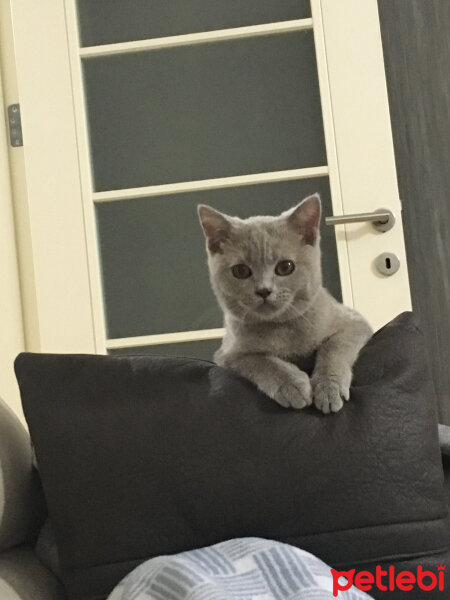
142 456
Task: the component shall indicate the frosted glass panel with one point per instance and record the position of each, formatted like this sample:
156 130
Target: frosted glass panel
204 349
153 259
110 21
206 111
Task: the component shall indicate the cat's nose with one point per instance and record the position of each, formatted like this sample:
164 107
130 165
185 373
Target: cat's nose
263 292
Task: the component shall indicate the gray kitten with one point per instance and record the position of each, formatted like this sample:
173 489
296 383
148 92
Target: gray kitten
266 274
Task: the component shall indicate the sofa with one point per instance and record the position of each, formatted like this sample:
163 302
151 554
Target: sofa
143 456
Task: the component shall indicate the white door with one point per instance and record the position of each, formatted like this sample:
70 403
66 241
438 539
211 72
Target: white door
132 113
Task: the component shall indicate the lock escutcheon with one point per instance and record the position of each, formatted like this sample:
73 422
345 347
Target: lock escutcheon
387 263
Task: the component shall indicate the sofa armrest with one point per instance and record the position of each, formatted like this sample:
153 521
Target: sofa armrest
23 577
22 505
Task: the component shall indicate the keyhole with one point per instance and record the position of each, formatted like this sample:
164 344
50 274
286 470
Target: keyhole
387 263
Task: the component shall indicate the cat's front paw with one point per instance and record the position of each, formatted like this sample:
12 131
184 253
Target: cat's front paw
327 396
329 393
295 393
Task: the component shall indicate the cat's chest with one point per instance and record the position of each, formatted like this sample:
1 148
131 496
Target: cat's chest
286 340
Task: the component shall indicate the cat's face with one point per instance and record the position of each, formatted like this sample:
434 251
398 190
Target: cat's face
264 268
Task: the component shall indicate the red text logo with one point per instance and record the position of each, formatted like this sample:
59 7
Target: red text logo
388 579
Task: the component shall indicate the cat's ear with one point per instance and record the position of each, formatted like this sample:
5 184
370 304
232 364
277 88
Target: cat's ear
305 218
215 226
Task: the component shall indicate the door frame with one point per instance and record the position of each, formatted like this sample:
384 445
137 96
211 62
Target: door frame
63 299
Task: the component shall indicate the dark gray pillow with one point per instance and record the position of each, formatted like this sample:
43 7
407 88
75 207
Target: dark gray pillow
142 456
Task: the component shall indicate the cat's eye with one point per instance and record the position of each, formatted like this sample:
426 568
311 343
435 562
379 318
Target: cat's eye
284 267
241 271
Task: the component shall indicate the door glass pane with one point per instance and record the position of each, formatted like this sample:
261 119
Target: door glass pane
199 112
204 349
155 277
110 21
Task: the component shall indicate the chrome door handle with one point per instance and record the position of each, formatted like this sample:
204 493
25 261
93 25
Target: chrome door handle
382 219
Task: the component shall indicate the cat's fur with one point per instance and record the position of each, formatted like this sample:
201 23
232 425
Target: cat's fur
266 339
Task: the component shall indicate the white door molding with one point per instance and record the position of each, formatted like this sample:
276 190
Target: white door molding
364 149
11 325
62 296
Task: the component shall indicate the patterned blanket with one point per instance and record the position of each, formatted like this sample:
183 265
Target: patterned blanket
240 569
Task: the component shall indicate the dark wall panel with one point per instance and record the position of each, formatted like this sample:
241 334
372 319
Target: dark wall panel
416 43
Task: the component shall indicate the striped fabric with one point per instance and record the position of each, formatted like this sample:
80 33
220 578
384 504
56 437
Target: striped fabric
241 569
